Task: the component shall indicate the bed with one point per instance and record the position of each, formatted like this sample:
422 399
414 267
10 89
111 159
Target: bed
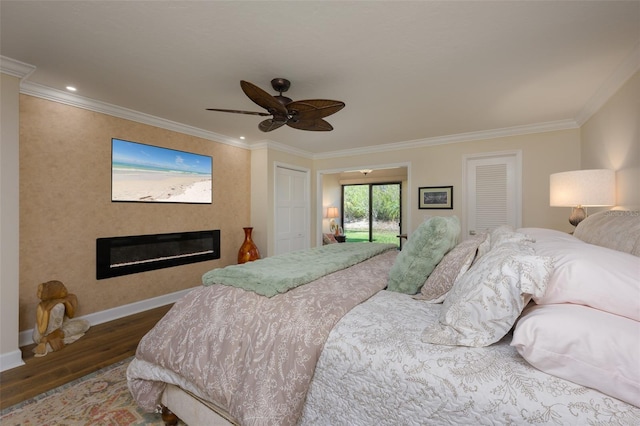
527 326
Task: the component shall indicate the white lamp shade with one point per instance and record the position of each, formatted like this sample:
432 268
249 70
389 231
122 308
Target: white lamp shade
332 212
583 188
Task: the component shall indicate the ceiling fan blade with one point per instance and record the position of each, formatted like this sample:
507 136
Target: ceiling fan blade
270 124
262 98
312 109
318 125
235 111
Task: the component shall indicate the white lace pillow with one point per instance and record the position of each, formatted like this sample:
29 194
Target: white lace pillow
506 234
503 234
484 304
449 270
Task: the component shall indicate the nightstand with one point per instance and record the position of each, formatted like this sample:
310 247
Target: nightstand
341 238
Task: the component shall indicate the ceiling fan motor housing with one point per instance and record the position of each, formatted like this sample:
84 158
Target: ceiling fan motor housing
281 85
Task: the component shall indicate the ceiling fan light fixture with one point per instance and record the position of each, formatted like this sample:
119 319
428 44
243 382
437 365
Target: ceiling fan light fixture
365 171
303 115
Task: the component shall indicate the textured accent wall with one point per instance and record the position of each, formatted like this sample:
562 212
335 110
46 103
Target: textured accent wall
65 204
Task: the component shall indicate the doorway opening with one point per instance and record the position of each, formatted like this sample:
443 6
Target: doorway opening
372 212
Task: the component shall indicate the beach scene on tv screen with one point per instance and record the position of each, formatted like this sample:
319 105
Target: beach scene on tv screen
148 173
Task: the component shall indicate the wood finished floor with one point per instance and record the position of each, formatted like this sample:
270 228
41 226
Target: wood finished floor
102 345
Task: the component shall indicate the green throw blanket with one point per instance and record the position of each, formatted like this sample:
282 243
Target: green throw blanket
278 274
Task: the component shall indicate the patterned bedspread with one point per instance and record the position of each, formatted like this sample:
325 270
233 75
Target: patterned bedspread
250 354
375 369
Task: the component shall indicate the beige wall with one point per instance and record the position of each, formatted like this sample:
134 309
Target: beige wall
542 154
10 355
260 217
611 140
65 204
331 197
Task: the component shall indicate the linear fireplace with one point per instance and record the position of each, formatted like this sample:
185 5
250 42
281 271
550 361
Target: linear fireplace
118 256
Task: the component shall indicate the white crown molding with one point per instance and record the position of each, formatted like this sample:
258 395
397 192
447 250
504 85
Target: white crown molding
15 68
457 138
66 98
620 76
613 83
22 70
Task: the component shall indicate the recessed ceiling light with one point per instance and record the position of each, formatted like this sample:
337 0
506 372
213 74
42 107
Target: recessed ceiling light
71 88
242 137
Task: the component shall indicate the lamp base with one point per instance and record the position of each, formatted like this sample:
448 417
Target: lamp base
577 215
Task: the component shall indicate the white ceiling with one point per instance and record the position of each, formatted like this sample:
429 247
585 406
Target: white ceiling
409 72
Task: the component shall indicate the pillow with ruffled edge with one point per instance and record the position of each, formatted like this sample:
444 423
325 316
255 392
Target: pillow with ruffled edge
507 234
484 304
449 270
590 347
422 252
503 234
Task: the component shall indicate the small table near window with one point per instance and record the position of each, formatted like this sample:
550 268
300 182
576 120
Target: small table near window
341 238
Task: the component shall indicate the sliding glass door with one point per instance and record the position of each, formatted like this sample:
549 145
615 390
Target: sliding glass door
372 212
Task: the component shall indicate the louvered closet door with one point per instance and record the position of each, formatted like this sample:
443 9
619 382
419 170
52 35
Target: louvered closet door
492 192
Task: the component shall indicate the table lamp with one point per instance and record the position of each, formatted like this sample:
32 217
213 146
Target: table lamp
582 188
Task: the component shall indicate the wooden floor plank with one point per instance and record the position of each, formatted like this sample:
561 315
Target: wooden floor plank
101 346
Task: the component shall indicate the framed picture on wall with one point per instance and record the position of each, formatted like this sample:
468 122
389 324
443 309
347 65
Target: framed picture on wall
435 197
152 174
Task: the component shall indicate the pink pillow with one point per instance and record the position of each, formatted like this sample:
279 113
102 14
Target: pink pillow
329 239
449 270
589 275
586 346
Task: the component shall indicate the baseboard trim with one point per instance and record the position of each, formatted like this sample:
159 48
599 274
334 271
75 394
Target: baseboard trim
11 360
26 336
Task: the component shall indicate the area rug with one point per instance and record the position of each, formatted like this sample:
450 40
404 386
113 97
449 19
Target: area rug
100 398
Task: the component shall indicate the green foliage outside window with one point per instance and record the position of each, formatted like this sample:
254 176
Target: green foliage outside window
385 212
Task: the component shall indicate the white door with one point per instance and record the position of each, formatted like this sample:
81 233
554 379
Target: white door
292 210
493 192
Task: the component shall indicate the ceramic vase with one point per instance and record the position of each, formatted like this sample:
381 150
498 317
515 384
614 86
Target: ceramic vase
248 250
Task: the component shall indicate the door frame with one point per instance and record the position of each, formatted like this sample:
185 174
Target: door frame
406 223
371 185
307 172
466 158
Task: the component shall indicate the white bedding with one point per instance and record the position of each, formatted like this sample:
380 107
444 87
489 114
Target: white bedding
375 369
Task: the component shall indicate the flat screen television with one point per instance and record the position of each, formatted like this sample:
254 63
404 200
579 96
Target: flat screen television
152 174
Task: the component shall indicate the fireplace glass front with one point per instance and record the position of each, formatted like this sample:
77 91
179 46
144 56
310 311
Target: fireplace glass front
118 256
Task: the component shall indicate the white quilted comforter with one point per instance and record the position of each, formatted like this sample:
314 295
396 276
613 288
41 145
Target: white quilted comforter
375 369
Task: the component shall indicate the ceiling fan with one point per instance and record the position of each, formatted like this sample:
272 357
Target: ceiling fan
302 115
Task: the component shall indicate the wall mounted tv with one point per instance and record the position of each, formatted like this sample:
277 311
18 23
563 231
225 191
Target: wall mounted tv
147 173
